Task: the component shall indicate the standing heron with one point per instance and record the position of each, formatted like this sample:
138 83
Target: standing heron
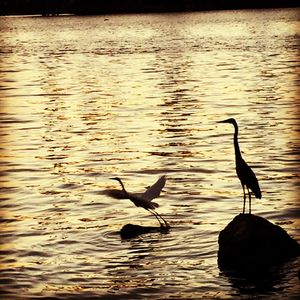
243 171
142 199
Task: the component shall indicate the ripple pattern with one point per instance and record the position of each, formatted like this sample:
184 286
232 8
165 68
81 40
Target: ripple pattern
83 99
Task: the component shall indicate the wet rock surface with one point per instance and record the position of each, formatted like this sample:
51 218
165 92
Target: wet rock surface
130 230
250 244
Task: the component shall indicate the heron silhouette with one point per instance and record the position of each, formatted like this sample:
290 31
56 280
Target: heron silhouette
243 171
143 200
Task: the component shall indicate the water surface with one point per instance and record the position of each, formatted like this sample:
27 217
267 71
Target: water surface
138 96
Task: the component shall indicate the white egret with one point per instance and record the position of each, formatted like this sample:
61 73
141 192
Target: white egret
142 199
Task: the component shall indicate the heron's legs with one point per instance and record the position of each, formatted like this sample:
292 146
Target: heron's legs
244 198
249 193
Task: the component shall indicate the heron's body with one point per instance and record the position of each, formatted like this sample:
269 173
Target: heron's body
247 177
243 171
143 200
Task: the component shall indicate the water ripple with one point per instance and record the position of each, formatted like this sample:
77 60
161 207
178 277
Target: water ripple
139 96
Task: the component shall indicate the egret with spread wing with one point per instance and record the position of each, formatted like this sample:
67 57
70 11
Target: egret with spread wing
142 199
243 171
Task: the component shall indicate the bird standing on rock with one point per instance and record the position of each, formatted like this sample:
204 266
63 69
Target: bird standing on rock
142 199
243 171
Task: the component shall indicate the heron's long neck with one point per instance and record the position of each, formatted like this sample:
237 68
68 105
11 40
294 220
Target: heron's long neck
236 143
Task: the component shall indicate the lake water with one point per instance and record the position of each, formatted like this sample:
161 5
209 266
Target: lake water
84 99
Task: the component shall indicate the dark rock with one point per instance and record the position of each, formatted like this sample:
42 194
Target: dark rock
130 230
250 244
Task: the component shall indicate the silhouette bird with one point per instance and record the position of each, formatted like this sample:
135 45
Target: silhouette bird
243 171
142 199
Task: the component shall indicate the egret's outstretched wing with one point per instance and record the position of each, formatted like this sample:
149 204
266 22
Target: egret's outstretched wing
154 190
117 194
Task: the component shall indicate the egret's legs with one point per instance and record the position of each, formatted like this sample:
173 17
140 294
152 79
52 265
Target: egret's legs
166 223
156 216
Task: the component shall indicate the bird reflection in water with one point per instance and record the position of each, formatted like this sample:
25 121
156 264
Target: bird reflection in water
243 171
144 199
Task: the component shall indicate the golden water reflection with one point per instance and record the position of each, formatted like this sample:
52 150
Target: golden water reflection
139 97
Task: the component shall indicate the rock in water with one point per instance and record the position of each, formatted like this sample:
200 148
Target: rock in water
250 243
130 230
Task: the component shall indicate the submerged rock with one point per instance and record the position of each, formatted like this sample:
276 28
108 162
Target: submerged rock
251 243
130 230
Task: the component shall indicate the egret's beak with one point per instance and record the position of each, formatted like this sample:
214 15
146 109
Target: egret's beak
224 121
